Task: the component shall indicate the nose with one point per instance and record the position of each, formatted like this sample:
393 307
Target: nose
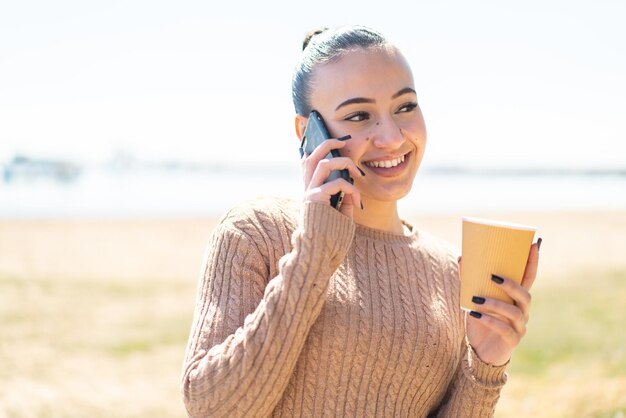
387 134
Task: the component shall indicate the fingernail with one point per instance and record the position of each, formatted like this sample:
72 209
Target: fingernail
344 138
362 206
478 300
476 314
497 279
363 173
458 260
539 241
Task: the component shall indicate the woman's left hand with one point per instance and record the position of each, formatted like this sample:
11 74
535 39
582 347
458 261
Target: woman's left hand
496 332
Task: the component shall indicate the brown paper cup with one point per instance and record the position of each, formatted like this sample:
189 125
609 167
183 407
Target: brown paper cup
492 247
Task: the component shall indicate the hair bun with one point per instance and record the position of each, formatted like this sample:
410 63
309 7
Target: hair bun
310 35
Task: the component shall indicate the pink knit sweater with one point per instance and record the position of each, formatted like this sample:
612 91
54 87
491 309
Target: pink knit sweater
301 312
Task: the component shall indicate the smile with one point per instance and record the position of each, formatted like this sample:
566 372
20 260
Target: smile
386 163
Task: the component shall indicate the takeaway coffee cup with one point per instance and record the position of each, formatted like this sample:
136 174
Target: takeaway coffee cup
492 247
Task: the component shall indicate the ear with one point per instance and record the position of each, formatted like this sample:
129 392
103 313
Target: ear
300 125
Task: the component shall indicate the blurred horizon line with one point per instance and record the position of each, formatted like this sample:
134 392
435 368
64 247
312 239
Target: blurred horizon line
23 166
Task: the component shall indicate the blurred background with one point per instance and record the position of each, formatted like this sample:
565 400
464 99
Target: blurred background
127 128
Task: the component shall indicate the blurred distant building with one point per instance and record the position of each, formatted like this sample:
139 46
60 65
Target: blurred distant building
22 167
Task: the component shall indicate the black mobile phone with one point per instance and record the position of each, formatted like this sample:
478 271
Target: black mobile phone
314 134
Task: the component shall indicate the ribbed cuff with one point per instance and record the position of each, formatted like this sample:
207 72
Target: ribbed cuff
482 373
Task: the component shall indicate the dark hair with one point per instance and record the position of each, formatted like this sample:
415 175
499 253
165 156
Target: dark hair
323 46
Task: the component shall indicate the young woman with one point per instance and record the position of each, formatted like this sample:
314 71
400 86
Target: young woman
306 310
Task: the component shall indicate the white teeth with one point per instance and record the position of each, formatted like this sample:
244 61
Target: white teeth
386 163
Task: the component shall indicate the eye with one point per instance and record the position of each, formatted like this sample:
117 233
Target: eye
409 107
357 116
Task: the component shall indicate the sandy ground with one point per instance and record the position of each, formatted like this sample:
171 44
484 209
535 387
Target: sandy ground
573 242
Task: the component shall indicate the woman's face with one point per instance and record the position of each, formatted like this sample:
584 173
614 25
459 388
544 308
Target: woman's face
370 95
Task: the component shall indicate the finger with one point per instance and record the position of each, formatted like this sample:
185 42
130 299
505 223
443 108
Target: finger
310 162
530 272
347 208
325 191
349 203
502 328
306 172
326 166
325 147
513 314
356 200
521 297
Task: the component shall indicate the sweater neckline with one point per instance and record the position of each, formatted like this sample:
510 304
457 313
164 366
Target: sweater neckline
391 237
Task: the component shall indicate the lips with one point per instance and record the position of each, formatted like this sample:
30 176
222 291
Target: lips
388 167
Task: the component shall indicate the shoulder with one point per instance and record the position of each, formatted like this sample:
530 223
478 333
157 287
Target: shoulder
262 212
262 219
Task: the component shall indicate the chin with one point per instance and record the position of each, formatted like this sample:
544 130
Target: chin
386 195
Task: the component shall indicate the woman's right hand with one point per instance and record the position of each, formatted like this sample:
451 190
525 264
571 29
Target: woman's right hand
316 169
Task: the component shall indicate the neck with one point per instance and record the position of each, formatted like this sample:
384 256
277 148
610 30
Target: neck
379 215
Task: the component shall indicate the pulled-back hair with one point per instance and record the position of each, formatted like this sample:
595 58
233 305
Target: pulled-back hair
323 46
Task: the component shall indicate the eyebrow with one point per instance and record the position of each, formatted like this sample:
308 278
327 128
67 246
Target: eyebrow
354 100
405 90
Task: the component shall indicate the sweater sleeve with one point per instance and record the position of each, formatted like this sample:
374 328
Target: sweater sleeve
476 385
244 373
475 389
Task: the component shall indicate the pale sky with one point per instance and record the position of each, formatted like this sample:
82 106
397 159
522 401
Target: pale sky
533 83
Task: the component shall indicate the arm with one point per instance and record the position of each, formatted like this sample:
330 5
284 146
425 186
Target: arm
491 338
475 388
244 372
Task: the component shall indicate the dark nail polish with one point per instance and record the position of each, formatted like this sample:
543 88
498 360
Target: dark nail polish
497 279
476 314
478 300
539 241
344 138
361 171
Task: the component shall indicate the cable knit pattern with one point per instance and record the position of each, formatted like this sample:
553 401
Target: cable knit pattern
300 312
